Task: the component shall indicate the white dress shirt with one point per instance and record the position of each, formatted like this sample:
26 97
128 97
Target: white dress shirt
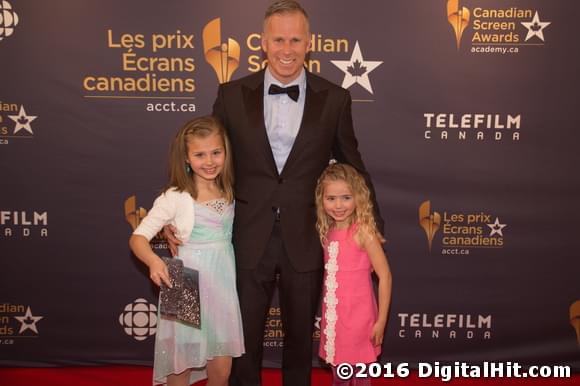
283 116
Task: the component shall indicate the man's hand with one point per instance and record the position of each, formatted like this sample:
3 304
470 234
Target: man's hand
169 233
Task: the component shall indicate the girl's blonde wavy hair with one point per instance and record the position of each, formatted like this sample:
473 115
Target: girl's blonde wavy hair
363 211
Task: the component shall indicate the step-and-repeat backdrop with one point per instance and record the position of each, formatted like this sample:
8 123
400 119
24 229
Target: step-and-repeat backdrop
467 117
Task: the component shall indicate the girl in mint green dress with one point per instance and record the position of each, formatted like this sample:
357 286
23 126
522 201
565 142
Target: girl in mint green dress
198 203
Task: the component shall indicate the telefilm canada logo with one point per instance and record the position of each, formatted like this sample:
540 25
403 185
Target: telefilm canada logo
482 29
450 326
23 223
472 127
459 233
15 122
18 321
134 214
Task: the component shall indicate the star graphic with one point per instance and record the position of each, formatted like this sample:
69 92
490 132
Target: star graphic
496 227
28 321
356 70
22 120
535 27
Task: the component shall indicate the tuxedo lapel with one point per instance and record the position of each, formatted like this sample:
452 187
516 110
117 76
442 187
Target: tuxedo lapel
313 104
254 107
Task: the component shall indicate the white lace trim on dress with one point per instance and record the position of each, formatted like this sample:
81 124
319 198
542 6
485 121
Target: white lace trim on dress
330 300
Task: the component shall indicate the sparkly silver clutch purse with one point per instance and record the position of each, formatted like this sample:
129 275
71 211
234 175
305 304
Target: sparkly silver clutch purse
182 301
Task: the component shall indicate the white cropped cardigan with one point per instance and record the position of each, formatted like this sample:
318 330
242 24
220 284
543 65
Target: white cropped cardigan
171 207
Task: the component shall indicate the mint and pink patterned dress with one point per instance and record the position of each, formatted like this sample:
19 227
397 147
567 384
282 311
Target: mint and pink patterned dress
209 249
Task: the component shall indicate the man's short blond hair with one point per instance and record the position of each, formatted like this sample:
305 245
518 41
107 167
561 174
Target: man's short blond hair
281 7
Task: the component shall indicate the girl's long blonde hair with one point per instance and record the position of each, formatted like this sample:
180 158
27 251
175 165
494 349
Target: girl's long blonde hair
363 211
180 176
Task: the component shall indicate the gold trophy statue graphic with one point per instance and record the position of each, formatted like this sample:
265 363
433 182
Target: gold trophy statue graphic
575 318
223 57
430 222
458 18
132 214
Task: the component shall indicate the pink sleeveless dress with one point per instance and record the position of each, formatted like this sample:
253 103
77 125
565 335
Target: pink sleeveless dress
349 307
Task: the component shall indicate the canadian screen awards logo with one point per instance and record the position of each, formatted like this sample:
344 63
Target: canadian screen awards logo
461 232
17 321
139 319
274 334
458 17
8 19
15 122
503 30
157 66
429 221
223 57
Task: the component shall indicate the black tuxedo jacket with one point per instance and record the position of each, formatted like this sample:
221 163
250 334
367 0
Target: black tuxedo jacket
326 132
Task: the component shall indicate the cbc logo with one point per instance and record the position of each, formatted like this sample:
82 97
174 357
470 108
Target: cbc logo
8 19
139 319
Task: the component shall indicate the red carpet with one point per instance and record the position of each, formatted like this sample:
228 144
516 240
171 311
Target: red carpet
141 376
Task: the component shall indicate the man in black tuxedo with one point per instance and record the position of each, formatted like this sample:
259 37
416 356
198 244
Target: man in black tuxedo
285 124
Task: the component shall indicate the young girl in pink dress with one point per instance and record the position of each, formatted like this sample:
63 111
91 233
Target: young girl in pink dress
352 329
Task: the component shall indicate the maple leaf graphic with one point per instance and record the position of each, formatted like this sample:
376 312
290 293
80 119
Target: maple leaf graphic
357 69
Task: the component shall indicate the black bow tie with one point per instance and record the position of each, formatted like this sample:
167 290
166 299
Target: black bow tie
292 91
